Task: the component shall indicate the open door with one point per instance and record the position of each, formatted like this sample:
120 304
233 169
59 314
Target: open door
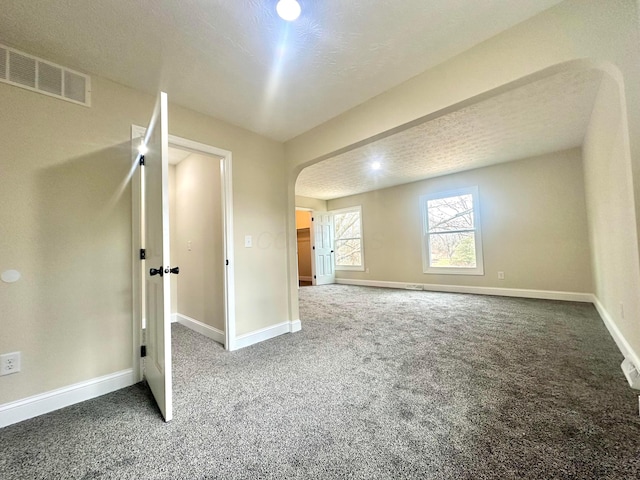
323 269
157 363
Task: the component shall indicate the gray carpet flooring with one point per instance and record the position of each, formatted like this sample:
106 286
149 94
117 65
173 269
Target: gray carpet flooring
378 384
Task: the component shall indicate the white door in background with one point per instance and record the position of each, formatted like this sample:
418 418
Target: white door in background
157 363
323 269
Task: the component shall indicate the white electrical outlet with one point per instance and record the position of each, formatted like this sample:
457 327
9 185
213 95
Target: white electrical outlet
631 373
500 275
9 363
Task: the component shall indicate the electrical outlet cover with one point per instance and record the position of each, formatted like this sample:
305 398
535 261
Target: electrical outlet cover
9 363
632 374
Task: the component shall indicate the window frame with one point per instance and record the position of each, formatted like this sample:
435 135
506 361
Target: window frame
356 268
426 234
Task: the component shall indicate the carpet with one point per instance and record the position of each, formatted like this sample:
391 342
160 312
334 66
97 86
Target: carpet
378 384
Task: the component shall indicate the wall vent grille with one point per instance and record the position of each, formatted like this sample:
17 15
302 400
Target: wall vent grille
3 64
38 75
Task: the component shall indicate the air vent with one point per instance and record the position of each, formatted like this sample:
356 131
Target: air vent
38 75
22 70
50 78
75 86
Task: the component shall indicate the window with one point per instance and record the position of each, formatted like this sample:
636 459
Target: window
452 242
349 254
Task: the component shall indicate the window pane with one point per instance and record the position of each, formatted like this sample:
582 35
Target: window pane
451 213
347 225
452 250
348 253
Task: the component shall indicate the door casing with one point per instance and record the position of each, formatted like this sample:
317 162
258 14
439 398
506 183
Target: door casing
322 247
227 220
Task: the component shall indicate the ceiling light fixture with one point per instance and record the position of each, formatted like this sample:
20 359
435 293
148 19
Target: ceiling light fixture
376 165
288 10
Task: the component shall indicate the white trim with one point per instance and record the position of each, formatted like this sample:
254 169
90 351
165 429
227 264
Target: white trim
266 333
174 318
502 292
229 271
139 322
624 347
352 268
477 230
227 206
37 89
306 278
202 328
36 405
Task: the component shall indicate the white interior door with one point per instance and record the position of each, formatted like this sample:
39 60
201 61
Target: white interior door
157 363
324 272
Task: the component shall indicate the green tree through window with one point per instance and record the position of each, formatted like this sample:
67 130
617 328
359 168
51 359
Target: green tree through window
451 232
348 238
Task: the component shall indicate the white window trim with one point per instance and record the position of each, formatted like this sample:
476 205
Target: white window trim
353 268
479 269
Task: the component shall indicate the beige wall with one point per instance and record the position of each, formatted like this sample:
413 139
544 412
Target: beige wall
65 224
575 34
603 32
611 214
65 215
199 221
259 206
533 220
312 203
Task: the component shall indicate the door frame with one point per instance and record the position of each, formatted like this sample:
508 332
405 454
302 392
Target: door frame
311 239
314 255
227 226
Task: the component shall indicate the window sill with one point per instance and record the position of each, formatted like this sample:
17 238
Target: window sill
349 268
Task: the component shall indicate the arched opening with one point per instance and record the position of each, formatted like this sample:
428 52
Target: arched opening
570 114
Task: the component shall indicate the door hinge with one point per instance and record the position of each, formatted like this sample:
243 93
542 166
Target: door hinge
313 219
227 262
314 247
143 350
143 254
141 159
314 276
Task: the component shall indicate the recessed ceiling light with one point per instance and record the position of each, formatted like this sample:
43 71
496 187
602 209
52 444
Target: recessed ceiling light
376 165
288 10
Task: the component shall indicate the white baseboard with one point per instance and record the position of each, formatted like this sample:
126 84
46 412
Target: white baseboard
202 328
36 405
174 318
502 292
624 347
305 279
263 334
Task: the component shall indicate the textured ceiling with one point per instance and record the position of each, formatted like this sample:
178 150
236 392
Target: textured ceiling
538 118
236 60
